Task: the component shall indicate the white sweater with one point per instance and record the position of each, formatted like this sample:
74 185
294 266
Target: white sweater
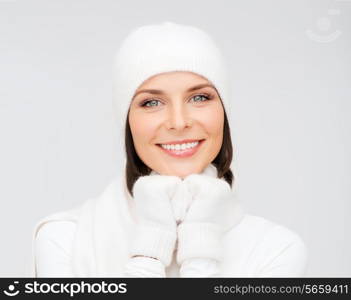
255 247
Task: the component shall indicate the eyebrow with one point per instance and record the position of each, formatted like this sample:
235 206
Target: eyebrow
160 92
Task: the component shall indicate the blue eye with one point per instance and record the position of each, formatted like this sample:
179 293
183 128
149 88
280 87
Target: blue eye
200 97
146 103
149 101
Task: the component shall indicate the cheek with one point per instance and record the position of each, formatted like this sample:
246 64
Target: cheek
213 121
143 128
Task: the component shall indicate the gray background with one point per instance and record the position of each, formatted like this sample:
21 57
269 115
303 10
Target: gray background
290 73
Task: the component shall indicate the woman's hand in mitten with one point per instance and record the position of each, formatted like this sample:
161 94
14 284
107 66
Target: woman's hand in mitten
212 212
213 201
156 229
180 202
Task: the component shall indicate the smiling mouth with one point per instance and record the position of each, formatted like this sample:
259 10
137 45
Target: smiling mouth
181 150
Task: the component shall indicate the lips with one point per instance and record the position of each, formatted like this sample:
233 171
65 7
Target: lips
180 142
182 153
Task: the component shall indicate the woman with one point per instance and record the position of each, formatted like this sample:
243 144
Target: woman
172 212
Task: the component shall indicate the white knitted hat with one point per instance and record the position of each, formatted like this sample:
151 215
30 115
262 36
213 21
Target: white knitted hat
157 48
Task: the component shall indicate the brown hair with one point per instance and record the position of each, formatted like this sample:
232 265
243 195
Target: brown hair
135 167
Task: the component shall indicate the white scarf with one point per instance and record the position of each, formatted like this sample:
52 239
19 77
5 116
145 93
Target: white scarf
105 225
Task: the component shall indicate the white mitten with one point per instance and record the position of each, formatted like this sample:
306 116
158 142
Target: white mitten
214 210
156 231
180 202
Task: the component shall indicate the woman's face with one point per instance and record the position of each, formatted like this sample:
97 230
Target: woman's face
174 109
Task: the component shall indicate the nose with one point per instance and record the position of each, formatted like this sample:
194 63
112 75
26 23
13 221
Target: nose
178 117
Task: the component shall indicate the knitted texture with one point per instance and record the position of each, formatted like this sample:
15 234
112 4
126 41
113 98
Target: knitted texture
155 234
199 240
213 211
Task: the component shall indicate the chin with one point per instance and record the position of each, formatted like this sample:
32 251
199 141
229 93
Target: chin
183 171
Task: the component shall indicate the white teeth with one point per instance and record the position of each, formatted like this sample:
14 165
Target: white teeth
180 146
